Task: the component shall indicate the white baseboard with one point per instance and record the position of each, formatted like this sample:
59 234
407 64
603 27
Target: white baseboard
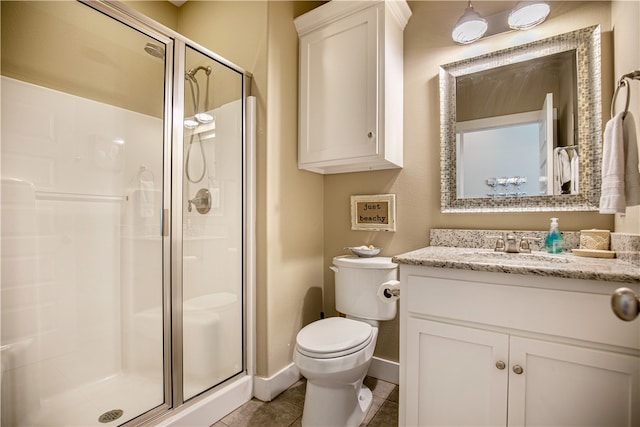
266 389
385 370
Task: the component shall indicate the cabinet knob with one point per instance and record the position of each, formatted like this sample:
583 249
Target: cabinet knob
370 135
518 369
625 304
500 365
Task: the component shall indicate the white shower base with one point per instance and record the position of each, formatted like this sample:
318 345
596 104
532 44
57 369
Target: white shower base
133 394
82 406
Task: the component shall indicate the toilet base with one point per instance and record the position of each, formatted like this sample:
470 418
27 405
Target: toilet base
343 406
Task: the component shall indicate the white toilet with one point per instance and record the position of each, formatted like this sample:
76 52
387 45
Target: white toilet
334 354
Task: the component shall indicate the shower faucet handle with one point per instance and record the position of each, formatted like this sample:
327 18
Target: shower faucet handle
202 201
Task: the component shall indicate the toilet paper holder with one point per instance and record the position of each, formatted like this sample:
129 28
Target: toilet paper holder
389 293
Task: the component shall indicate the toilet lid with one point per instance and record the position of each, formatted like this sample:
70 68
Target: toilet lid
333 337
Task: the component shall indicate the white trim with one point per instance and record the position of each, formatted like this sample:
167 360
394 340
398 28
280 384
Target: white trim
212 408
266 389
251 198
498 121
335 10
385 370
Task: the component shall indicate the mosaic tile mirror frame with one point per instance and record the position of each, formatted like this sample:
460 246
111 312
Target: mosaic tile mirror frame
586 44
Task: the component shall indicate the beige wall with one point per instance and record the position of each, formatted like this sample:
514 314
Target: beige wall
59 45
427 44
625 16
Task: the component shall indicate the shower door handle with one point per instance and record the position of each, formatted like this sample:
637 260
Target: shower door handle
165 222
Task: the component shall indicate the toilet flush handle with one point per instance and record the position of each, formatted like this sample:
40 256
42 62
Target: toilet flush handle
334 268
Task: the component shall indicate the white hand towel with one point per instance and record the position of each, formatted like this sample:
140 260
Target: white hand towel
575 174
561 168
565 166
612 198
557 185
146 199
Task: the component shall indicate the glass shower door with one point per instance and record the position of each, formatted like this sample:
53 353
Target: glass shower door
212 280
83 256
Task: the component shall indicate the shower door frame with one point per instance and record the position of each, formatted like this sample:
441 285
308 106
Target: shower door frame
172 218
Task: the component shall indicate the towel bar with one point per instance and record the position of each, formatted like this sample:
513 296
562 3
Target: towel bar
634 75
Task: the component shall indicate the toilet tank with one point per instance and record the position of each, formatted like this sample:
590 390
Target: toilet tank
357 282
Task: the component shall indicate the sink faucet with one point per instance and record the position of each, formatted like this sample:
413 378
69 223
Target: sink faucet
509 243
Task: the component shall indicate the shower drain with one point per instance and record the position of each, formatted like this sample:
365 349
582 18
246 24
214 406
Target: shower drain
111 415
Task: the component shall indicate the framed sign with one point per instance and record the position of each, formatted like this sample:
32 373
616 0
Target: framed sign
373 213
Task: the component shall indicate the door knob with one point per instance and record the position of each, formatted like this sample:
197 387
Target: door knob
625 304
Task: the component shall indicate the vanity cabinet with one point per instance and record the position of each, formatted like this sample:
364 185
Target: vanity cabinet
351 86
490 349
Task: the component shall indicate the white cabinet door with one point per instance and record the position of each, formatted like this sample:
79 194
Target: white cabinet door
455 377
566 385
338 89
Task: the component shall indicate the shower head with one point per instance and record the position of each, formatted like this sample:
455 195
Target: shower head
200 116
154 50
191 74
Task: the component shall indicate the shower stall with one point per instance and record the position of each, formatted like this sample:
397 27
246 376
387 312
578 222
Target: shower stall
126 221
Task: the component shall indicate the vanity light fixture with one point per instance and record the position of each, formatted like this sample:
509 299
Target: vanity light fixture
470 27
525 15
528 14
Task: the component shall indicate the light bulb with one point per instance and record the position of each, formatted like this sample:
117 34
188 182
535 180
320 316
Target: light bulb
470 27
190 123
204 117
528 14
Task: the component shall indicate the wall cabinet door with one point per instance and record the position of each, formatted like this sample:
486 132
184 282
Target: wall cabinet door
567 385
458 375
339 96
351 86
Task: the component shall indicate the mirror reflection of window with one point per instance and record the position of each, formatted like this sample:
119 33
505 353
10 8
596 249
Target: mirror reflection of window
489 101
511 155
499 162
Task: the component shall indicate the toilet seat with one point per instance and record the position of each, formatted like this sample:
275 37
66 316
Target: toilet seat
333 337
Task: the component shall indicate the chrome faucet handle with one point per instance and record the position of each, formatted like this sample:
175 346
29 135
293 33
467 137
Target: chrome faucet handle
511 244
202 201
525 243
499 243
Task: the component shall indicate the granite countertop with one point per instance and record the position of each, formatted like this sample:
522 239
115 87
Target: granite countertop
537 263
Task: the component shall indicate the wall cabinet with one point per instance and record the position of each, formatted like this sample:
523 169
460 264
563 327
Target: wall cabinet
486 350
351 86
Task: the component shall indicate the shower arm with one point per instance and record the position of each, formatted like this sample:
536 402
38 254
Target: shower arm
191 76
195 95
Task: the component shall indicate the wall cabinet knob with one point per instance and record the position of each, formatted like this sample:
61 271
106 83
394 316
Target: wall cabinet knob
370 134
500 365
518 369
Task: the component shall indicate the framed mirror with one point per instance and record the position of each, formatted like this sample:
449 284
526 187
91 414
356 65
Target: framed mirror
520 128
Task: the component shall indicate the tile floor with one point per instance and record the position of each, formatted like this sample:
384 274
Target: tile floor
286 409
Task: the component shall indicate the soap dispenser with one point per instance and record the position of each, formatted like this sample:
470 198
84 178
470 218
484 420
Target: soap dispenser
553 243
